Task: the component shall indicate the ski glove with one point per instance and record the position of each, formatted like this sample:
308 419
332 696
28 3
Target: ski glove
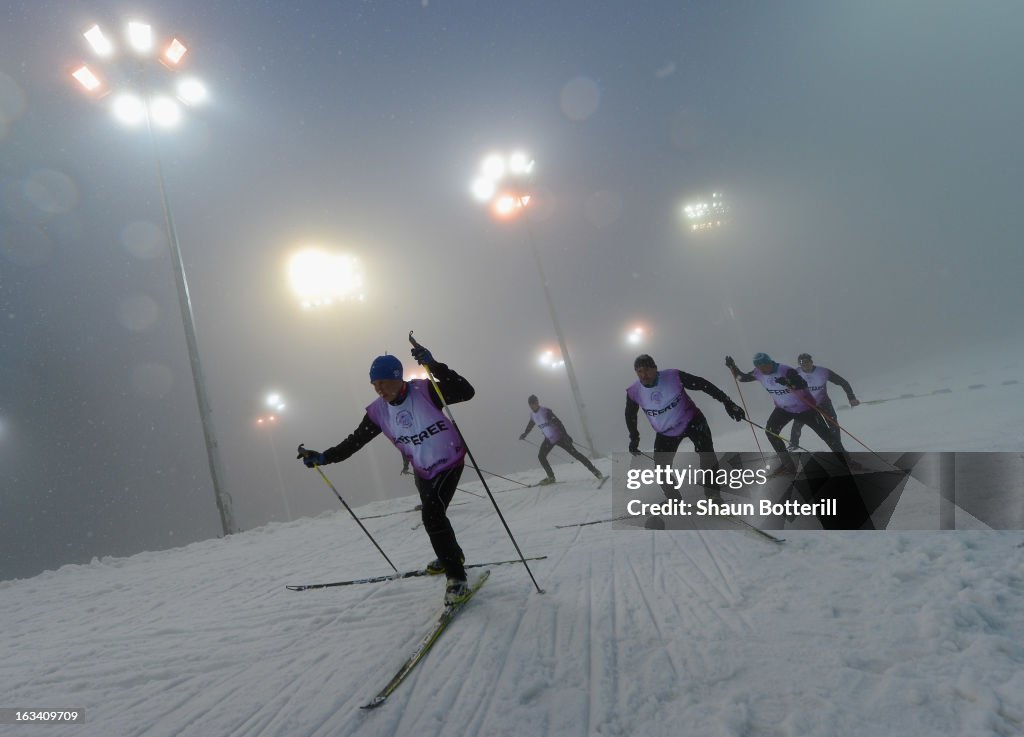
311 457
729 362
735 412
634 447
422 355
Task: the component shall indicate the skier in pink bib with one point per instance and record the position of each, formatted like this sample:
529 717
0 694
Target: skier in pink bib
409 414
554 434
793 401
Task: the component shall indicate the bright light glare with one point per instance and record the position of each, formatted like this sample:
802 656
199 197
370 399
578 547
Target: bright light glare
191 91
520 163
493 167
174 52
87 79
483 189
635 336
140 36
704 215
490 186
99 43
319 278
549 360
508 205
129 109
165 111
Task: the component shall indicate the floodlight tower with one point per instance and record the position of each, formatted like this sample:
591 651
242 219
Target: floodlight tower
145 88
503 184
268 421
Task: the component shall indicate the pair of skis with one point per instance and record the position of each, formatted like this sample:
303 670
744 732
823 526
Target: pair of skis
447 615
398 576
419 652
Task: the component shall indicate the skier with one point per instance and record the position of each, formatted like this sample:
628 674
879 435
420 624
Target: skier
673 415
792 401
817 378
554 434
409 414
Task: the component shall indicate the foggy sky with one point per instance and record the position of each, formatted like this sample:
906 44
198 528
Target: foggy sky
871 157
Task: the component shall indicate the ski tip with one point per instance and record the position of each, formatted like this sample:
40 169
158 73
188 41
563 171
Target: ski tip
296 588
377 701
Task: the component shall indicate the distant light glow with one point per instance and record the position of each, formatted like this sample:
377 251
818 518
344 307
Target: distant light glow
87 79
549 359
502 181
703 215
129 109
174 52
636 335
140 36
99 43
320 278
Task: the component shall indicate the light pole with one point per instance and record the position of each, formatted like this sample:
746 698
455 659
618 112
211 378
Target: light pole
275 407
503 184
138 98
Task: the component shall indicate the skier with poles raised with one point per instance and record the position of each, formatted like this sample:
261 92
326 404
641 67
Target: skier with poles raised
792 401
673 414
409 414
554 434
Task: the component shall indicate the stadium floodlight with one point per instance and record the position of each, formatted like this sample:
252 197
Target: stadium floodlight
174 52
100 44
321 278
138 100
636 335
704 214
140 37
85 77
503 184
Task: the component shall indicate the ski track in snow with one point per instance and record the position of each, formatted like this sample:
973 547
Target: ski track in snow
699 632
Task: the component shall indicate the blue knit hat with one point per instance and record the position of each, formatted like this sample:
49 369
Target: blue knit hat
385 367
762 358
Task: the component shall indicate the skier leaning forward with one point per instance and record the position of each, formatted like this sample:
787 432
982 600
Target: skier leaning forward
674 416
793 401
554 434
409 414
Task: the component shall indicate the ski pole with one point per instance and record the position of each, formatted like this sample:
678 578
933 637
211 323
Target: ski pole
458 430
746 413
835 422
530 442
798 447
302 454
505 478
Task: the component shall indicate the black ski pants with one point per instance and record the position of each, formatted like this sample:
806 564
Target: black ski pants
779 418
825 406
565 444
698 431
435 495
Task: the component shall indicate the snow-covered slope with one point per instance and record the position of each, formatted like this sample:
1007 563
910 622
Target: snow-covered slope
639 632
